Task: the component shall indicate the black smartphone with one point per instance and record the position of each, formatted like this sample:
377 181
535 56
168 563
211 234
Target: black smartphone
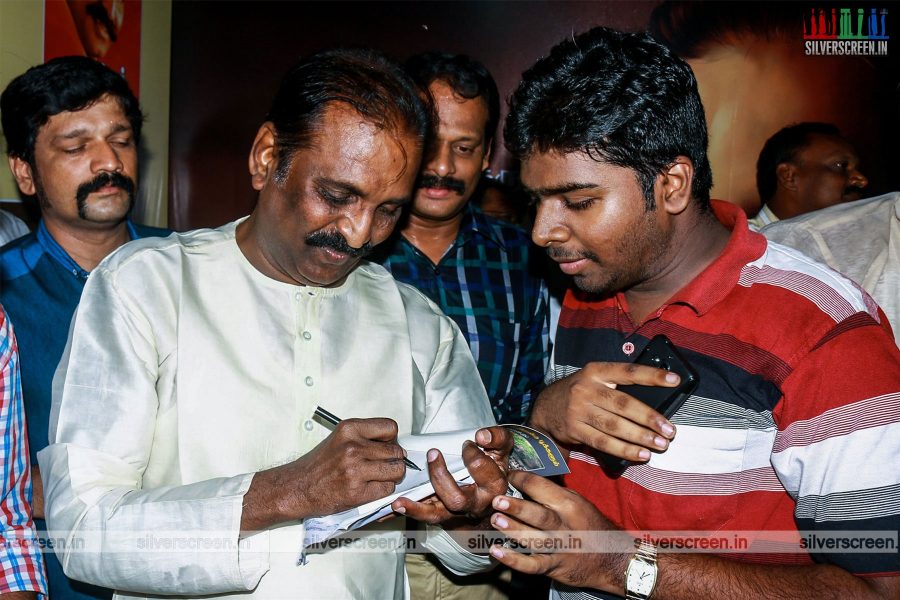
661 353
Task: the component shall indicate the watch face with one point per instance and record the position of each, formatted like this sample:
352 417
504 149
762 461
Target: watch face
640 577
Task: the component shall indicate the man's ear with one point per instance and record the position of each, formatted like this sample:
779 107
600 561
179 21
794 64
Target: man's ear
674 186
23 174
786 174
262 160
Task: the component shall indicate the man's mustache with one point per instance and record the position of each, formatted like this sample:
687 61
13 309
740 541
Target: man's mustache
101 181
447 183
336 242
559 254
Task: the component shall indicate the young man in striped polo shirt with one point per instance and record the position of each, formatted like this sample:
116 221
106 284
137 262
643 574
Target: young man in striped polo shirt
792 433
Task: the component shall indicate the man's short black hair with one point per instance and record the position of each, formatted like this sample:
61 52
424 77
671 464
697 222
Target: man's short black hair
466 77
783 147
374 86
621 98
66 84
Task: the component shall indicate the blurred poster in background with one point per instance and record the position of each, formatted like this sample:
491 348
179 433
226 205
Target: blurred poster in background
105 30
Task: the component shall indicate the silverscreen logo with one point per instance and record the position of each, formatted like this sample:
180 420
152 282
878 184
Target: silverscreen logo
856 31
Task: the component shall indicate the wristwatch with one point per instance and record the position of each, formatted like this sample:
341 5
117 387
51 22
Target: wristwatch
640 575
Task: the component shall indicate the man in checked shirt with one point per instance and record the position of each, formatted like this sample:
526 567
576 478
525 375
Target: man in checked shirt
21 563
478 269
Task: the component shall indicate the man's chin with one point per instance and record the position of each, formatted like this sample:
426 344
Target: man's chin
106 211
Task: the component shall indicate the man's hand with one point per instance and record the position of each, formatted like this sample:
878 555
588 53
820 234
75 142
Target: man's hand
585 408
473 501
359 462
560 519
558 510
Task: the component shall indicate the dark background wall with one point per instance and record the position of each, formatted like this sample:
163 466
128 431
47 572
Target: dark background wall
227 59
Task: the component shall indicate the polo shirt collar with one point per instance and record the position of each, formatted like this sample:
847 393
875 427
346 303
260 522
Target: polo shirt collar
717 280
56 252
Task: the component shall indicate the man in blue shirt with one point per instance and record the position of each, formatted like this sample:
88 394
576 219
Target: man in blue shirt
72 128
479 270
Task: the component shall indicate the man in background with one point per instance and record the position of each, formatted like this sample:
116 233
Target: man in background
72 128
805 167
480 270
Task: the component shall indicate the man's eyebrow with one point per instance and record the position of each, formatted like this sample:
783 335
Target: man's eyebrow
343 186
563 188
469 138
119 128
73 134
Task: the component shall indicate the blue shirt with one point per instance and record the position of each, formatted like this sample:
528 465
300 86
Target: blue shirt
489 283
40 286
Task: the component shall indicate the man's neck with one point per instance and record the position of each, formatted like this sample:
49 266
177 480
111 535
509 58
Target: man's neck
432 238
86 246
784 207
695 246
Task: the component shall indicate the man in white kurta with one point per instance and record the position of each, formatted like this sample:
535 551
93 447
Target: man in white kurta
194 367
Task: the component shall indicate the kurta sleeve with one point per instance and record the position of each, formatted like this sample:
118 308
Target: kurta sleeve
179 539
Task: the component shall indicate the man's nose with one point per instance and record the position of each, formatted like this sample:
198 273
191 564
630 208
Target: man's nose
105 157
857 179
547 228
441 161
356 227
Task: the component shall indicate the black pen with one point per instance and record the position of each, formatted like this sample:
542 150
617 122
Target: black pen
330 418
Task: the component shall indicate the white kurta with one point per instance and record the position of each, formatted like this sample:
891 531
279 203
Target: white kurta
187 371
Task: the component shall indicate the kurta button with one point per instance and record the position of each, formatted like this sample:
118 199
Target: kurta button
297 296
308 425
307 335
628 348
309 381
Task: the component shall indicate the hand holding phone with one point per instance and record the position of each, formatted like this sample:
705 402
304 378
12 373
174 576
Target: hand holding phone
661 353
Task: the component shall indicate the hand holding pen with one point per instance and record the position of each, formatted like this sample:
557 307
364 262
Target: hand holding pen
334 421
